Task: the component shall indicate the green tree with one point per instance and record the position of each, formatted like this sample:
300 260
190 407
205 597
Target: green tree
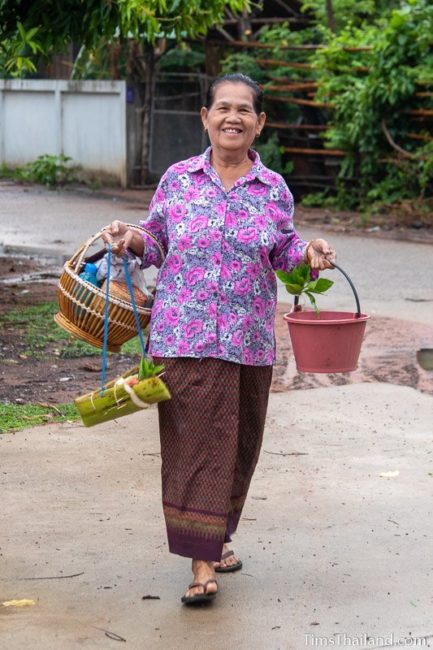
371 117
374 80
337 14
30 31
47 26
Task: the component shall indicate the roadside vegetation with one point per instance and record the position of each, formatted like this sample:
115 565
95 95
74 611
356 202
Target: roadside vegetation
373 75
367 64
49 170
42 336
39 343
15 417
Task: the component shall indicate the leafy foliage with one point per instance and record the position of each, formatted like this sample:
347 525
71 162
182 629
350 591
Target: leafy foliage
372 93
299 281
182 56
372 72
48 170
272 155
14 52
148 369
375 70
29 29
358 12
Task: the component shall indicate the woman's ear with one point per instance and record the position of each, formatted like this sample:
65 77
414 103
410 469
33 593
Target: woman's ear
203 115
260 123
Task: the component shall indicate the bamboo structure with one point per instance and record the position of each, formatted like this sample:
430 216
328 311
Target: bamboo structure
119 398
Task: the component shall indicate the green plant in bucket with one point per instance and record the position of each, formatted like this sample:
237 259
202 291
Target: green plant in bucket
299 281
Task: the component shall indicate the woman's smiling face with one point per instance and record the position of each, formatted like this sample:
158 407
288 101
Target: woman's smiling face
231 121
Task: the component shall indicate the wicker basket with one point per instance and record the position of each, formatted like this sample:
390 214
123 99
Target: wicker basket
82 304
120 290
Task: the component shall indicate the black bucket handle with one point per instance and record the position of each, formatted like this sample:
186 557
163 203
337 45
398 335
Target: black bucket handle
352 286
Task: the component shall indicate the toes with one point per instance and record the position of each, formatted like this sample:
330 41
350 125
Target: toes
194 592
211 588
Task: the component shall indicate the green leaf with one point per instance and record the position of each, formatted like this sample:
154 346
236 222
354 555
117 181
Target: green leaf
313 303
303 271
22 31
294 289
148 369
320 285
283 276
299 275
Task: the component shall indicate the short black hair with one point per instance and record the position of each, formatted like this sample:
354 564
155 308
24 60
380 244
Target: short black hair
236 77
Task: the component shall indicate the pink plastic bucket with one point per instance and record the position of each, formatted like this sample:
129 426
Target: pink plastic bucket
330 342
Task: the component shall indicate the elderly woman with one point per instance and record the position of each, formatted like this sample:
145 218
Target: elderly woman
225 223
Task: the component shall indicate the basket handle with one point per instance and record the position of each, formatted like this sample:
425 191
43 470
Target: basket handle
352 286
78 257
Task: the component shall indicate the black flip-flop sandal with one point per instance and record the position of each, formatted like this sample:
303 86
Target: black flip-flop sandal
231 567
205 597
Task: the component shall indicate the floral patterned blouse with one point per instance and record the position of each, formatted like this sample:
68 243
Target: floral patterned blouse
216 290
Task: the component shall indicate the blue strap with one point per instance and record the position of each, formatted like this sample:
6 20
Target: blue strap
134 306
106 323
105 341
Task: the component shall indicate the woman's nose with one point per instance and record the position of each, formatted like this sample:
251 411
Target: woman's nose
233 116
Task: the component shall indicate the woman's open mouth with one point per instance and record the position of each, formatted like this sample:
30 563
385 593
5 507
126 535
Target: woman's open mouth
232 131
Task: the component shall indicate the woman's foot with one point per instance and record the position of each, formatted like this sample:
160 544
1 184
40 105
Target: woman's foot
204 586
229 562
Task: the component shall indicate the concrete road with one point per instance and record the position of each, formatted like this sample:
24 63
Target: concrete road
336 536
334 551
393 278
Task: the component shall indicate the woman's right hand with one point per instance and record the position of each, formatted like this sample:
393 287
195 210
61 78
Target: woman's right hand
122 237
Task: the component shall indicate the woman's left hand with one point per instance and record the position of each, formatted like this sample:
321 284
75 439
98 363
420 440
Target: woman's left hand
319 255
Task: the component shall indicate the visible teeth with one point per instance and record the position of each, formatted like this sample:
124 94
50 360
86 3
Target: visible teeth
231 130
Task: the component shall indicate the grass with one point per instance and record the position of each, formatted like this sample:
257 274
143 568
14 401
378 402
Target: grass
14 417
41 334
44 338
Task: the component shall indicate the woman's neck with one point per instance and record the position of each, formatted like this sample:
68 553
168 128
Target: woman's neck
229 168
227 160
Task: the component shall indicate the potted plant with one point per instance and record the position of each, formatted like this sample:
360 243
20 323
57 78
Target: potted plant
300 281
322 341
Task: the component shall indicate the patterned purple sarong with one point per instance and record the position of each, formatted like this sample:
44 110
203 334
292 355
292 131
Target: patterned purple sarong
211 433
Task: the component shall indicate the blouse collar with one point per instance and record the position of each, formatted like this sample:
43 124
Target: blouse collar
258 170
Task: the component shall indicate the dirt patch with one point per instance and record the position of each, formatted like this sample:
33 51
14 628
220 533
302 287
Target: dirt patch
396 225
388 354
46 377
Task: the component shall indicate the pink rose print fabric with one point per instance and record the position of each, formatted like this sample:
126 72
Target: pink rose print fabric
216 290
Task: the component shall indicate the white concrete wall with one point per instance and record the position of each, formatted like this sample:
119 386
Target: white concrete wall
85 120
